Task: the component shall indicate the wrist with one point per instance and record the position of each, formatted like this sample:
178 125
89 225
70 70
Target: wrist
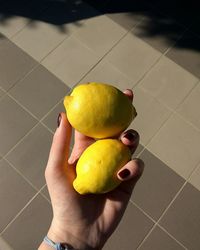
58 235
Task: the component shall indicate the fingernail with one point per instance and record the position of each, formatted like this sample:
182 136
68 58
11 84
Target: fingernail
131 135
124 173
59 119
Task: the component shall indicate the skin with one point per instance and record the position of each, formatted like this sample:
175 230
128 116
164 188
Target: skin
85 221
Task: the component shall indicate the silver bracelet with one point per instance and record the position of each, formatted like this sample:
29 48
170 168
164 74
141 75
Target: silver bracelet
57 246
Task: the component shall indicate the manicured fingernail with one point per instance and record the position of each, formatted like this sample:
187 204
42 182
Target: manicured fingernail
59 119
131 135
124 174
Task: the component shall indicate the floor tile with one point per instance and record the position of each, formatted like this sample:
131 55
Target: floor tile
70 61
177 144
127 20
16 64
127 12
158 239
182 219
1 93
12 186
133 57
30 156
138 150
4 245
39 91
151 115
158 30
12 25
131 231
39 40
168 83
186 53
51 119
91 34
106 72
30 223
17 14
189 109
15 123
154 184
45 192
195 178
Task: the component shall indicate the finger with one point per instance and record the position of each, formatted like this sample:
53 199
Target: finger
61 143
130 174
129 94
131 139
81 142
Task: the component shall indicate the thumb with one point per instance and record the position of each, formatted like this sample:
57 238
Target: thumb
60 145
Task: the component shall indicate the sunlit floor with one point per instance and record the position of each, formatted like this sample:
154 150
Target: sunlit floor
48 47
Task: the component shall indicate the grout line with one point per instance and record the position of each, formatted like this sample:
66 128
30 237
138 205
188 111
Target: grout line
43 195
157 222
19 213
23 107
172 236
147 215
18 172
157 61
103 57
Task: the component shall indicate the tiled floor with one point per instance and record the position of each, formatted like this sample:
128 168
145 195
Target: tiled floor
46 48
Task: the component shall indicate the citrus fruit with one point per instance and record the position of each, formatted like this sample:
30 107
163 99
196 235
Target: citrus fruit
97 167
99 110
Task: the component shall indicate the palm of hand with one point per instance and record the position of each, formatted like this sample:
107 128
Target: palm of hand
89 219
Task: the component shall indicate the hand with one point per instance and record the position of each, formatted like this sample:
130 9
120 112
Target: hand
85 221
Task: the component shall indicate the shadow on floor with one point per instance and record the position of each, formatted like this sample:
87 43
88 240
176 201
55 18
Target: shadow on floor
60 12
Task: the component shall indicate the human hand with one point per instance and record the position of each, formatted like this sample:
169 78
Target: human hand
85 221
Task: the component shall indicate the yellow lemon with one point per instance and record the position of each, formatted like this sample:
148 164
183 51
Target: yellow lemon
99 110
98 166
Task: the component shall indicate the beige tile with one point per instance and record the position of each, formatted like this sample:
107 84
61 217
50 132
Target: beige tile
39 39
182 219
106 72
29 229
15 192
70 61
151 115
168 82
189 109
100 33
158 30
4 245
132 229
133 57
195 178
13 25
158 239
186 53
177 144
30 156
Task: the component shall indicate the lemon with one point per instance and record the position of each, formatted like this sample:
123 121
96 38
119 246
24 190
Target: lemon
97 167
99 110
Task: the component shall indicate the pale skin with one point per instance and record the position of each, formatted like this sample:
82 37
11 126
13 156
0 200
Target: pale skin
85 221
